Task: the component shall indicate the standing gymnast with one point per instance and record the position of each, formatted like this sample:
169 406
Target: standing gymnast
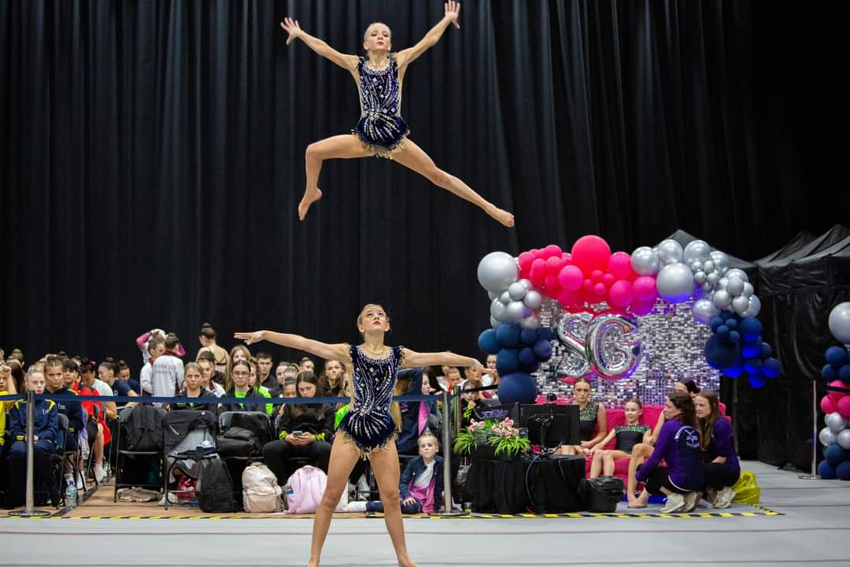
381 130
367 430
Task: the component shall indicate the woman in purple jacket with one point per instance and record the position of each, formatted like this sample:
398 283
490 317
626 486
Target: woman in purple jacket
679 445
721 467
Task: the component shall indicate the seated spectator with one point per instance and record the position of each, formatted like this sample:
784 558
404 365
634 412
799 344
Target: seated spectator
45 431
107 372
330 381
490 377
302 431
208 371
124 375
283 372
306 365
469 401
197 397
253 381
420 488
95 424
206 337
238 387
679 445
452 379
237 353
628 435
55 382
264 370
7 388
16 370
103 410
721 468
416 417
593 424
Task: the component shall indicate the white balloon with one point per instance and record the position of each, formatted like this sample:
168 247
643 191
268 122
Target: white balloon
736 272
492 295
754 307
740 304
533 299
526 284
839 322
721 299
748 289
675 282
517 310
735 286
700 277
722 282
835 421
530 322
704 310
497 270
696 250
494 322
843 439
669 252
497 310
721 261
505 297
712 278
645 261
696 266
827 437
708 266
517 291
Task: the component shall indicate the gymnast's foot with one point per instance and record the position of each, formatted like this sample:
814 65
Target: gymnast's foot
504 217
309 198
638 502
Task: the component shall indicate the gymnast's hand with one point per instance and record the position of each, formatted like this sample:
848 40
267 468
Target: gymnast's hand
293 28
409 500
452 13
250 338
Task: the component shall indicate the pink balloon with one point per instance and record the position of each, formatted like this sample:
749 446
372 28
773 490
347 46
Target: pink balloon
569 298
837 396
843 406
568 258
554 265
552 250
621 293
587 285
640 307
620 264
525 261
538 272
608 280
827 405
644 289
591 253
552 283
551 293
571 278
600 289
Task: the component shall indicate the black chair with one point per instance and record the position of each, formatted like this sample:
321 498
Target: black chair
123 456
188 436
236 451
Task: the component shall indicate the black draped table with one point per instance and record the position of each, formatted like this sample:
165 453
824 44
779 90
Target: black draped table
514 486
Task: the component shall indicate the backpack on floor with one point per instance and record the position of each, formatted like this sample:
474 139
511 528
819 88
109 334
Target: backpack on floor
304 490
260 490
143 430
214 488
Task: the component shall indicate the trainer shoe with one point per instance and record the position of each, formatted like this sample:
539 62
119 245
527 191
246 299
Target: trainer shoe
724 497
675 503
99 474
691 501
356 507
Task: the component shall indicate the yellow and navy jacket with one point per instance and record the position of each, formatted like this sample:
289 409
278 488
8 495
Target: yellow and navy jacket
72 410
45 420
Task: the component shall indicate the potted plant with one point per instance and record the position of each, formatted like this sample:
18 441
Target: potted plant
491 439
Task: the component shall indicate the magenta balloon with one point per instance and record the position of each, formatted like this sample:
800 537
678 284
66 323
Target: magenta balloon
571 278
620 264
827 405
843 406
644 288
621 293
640 307
591 253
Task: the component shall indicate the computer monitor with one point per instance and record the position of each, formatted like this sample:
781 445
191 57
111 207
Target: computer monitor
560 423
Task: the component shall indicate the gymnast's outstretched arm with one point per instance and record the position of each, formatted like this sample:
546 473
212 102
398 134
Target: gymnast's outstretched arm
293 28
408 56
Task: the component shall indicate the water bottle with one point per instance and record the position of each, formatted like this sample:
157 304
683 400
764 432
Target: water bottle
71 494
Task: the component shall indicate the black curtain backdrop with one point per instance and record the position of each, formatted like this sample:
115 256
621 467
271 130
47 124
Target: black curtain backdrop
153 156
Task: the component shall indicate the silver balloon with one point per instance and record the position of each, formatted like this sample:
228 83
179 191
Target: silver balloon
494 322
748 290
696 265
721 261
492 295
572 331
696 250
611 343
836 422
530 322
533 299
669 252
708 266
517 310
827 437
740 304
505 297
497 270
497 310
526 284
645 261
675 282
754 307
722 299
843 439
517 291
700 277
713 278
736 286
839 322
735 272
704 310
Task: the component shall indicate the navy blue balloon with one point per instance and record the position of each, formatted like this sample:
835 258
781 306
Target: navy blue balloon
771 367
487 342
715 323
828 373
834 454
732 324
507 361
751 349
543 349
734 371
726 314
752 365
529 368
723 332
545 333
827 471
766 350
528 337
842 471
734 337
721 355
526 356
756 380
844 373
507 336
517 387
836 356
750 328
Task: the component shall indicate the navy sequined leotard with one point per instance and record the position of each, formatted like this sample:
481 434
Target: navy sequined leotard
381 126
368 422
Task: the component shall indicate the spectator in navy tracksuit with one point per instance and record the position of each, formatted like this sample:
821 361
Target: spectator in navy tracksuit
679 445
416 417
45 431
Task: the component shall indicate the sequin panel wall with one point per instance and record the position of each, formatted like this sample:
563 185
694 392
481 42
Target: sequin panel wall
672 349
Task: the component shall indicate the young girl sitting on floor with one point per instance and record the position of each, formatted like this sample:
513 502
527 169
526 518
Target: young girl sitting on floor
628 436
421 484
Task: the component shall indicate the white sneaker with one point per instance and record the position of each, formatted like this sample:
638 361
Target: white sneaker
81 483
99 474
724 497
356 507
172 499
675 503
691 501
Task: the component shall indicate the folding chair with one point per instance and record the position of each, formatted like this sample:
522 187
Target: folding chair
124 455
